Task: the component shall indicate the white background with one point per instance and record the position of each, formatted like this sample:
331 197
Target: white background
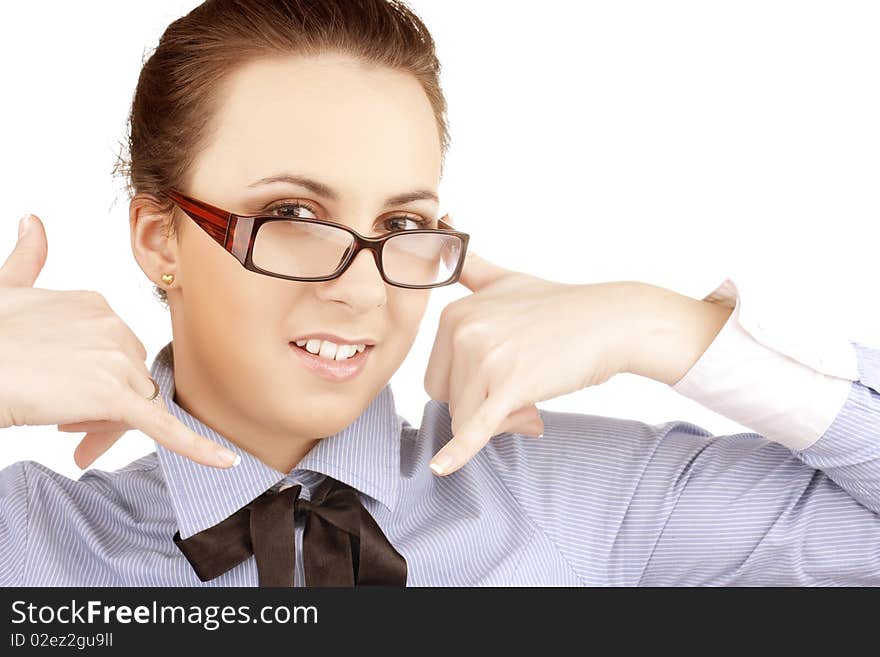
675 143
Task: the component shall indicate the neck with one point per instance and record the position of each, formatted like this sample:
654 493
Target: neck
276 447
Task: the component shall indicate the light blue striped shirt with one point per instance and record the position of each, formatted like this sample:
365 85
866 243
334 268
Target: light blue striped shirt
596 501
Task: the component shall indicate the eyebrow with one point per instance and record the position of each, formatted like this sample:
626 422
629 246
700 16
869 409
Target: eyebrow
326 191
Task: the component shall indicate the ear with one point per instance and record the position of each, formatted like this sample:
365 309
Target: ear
152 243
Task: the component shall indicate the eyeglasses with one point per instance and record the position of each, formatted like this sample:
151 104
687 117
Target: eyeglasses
316 250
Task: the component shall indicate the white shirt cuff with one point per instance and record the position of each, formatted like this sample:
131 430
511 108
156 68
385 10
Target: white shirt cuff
775 375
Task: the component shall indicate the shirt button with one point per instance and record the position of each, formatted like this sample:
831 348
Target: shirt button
284 486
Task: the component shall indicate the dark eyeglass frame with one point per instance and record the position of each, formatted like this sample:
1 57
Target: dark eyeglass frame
236 234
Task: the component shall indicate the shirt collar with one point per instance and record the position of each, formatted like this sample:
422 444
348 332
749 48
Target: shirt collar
364 455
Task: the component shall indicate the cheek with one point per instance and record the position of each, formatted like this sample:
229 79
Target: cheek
406 309
237 314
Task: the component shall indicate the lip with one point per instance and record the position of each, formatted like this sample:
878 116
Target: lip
335 339
332 370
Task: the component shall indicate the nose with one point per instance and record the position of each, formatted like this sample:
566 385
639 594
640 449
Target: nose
361 285
368 262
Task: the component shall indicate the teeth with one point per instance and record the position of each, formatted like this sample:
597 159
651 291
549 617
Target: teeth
346 351
330 350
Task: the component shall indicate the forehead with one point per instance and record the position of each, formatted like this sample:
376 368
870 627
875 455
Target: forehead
332 118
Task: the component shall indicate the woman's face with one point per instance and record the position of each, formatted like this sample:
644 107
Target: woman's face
367 135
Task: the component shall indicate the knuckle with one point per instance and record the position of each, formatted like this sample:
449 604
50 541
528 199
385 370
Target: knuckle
101 398
114 323
193 444
92 297
465 447
496 355
166 424
449 313
162 427
468 332
116 329
513 394
121 331
513 374
118 362
481 416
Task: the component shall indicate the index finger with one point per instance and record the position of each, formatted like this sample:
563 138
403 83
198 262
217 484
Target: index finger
473 434
170 432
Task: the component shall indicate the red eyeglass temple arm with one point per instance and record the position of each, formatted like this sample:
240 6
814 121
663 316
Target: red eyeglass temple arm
218 219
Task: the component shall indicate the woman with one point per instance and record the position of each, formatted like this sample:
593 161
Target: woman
269 141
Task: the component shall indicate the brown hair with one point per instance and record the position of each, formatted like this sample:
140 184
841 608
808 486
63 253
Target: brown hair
175 96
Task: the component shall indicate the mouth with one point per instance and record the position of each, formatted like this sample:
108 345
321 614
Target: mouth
302 347
332 369
335 339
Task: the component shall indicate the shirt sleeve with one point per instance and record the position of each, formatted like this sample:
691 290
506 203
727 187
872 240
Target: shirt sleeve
13 523
671 504
771 370
743 510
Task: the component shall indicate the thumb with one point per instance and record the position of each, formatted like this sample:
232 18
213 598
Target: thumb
478 272
24 264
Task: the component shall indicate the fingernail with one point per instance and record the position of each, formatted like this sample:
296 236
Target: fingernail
228 457
23 225
441 463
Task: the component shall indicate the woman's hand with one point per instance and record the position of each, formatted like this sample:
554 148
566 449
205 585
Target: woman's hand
520 339
69 360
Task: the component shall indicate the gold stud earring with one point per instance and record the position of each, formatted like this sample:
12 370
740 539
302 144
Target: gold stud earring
168 279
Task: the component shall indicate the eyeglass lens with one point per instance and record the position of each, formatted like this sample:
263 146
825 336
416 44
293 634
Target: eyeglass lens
311 250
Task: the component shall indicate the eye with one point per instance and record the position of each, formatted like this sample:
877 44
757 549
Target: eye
298 206
393 224
418 222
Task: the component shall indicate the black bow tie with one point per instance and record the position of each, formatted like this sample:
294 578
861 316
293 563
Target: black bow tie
342 544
